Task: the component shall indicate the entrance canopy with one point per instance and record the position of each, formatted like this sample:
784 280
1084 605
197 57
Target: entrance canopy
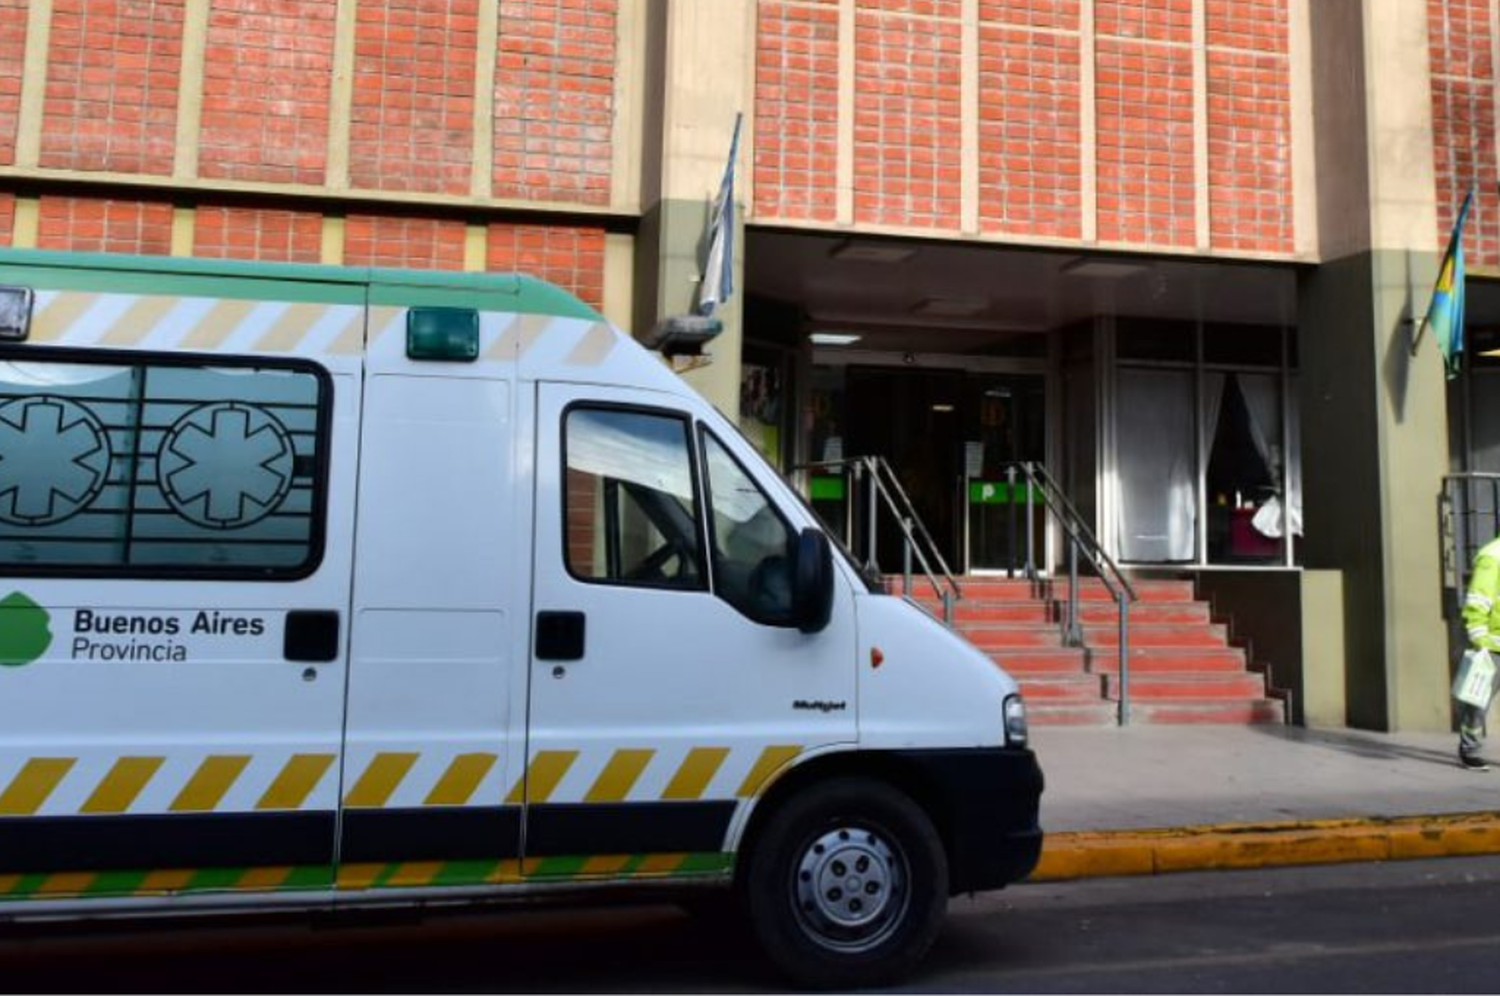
967 298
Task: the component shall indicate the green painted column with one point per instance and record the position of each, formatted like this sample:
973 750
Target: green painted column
1373 417
699 65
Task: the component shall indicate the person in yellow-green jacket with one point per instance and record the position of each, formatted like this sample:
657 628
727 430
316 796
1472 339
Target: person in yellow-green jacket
1482 622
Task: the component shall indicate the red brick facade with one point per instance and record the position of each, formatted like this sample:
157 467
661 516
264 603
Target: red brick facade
907 82
7 218
86 224
1144 95
256 234
12 53
796 110
112 73
554 100
907 119
1249 126
1030 158
569 257
411 127
421 243
1463 124
267 80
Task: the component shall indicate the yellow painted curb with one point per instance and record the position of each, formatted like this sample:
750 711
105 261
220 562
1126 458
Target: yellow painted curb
1095 854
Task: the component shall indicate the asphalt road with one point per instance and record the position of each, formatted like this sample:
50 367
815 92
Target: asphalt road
1409 927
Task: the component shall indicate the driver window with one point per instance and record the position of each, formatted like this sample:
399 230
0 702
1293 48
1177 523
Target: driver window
629 507
752 544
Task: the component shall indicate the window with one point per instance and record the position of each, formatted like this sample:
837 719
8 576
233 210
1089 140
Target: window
752 545
130 466
629 507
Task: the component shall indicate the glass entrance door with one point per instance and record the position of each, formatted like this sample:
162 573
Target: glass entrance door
912 418
1004 423
950 437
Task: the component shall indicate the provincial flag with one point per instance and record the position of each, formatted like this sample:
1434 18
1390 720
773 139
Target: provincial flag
1445 315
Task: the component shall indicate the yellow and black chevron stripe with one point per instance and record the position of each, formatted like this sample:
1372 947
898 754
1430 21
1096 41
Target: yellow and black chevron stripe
149 825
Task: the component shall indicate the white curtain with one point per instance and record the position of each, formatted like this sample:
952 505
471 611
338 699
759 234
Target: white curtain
1213 404
1155 461
1263 402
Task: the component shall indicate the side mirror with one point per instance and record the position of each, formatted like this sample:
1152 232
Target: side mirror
812 581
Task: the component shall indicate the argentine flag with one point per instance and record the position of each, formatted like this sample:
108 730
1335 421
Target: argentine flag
718 272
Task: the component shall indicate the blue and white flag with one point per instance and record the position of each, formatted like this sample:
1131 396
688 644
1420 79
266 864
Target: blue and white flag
718 271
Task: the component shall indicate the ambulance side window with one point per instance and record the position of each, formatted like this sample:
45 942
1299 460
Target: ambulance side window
629 499
126 465
752 544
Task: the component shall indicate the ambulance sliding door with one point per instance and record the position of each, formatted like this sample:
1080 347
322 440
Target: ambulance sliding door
440 555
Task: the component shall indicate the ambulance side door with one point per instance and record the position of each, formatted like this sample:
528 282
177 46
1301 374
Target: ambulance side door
668 685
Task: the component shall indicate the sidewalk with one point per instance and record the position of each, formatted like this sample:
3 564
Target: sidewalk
1150 799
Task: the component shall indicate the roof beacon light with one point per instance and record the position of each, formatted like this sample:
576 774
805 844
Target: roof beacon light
15 313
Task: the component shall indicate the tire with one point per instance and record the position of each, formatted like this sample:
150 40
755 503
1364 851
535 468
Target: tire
847 885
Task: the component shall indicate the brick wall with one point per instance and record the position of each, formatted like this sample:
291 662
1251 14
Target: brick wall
906 117
572 258
1144 97
7 218
266 85
421 243
1463 125
796 110
907 128
1249 125
86 224
411 127
584 498
554 100
256 234
12 54
1030 165
111 97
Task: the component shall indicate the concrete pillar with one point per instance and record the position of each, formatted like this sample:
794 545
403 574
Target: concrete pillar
699 64
1374 419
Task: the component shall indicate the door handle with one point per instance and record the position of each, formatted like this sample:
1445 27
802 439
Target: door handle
560 636
311 635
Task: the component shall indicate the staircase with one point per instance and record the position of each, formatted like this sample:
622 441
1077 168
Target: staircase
1182 668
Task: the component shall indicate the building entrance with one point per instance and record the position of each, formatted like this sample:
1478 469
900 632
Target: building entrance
950 437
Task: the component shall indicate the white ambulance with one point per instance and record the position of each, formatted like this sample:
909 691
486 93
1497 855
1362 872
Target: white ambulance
327 587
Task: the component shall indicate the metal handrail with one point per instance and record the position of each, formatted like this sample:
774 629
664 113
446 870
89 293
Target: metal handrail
1459 525
913 530
1082 539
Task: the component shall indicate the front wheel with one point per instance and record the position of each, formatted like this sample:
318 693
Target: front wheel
847 885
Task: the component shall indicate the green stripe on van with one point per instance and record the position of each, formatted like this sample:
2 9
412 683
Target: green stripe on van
301 282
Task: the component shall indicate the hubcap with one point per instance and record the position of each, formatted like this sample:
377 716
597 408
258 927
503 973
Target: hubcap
850 888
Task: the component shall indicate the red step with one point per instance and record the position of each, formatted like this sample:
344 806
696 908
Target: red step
1159 660
1107 613
1041 661
1242 713
1062 688
1000 636
1158 635
1179 687
1072 714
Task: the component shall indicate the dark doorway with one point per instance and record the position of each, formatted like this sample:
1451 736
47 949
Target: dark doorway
913 419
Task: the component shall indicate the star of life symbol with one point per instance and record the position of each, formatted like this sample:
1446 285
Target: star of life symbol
226 465
54 460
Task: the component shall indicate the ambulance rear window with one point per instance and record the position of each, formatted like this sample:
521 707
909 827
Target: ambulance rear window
128 465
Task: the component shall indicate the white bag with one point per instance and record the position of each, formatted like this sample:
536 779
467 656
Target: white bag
1475 682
